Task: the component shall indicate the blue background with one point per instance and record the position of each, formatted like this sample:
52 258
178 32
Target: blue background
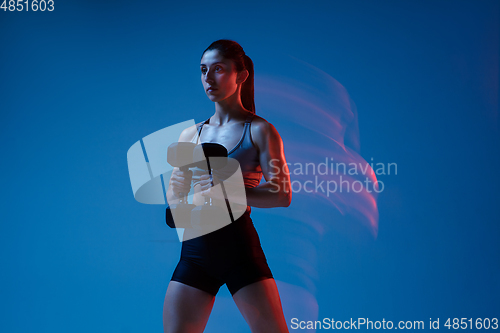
81 84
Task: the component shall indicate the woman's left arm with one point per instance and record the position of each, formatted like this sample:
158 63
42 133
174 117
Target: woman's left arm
276 191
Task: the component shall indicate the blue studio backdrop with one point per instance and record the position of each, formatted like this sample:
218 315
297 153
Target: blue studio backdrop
410 87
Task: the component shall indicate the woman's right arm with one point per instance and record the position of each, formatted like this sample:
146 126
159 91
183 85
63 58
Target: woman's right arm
180 182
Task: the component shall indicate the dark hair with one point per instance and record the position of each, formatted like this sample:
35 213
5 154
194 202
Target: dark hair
230 49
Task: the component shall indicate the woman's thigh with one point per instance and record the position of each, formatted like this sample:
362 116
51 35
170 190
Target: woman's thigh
260 305
186 309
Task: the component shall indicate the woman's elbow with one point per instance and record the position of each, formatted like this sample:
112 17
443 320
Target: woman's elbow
286 199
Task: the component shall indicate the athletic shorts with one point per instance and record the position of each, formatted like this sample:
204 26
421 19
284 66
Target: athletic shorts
231 255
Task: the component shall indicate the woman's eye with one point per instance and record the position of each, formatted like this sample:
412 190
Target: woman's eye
217 69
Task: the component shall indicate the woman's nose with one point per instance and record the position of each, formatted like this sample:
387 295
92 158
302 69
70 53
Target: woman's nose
208 77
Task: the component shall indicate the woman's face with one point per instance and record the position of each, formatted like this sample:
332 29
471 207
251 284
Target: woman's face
218 76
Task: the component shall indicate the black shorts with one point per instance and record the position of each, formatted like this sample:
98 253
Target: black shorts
231 255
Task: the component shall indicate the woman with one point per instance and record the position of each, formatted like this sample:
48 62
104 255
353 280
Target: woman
232 254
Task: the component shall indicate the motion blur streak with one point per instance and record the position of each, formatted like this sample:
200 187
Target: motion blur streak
318 123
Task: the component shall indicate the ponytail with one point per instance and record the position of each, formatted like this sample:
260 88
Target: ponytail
247 88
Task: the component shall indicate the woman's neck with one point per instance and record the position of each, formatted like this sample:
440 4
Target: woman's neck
225 113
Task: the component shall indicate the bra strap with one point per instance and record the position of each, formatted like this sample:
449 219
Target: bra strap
201 126
249 118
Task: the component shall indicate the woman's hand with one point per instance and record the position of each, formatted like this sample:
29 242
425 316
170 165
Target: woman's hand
180 182
209 191
235 193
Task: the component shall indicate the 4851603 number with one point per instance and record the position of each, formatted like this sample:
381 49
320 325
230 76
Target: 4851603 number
469 323
27 5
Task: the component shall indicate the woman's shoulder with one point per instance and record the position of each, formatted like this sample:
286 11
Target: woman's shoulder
262 130
189 133
261 125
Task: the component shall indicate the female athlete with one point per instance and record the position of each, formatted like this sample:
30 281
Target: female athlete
231 255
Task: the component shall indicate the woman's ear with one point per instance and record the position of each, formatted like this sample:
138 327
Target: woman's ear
242 76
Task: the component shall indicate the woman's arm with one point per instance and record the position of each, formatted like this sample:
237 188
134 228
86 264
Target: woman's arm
180 182
276 191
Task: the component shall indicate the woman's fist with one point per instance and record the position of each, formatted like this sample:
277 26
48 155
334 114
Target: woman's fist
180 182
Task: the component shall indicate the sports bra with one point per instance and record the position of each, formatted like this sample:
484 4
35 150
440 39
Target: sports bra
244 152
